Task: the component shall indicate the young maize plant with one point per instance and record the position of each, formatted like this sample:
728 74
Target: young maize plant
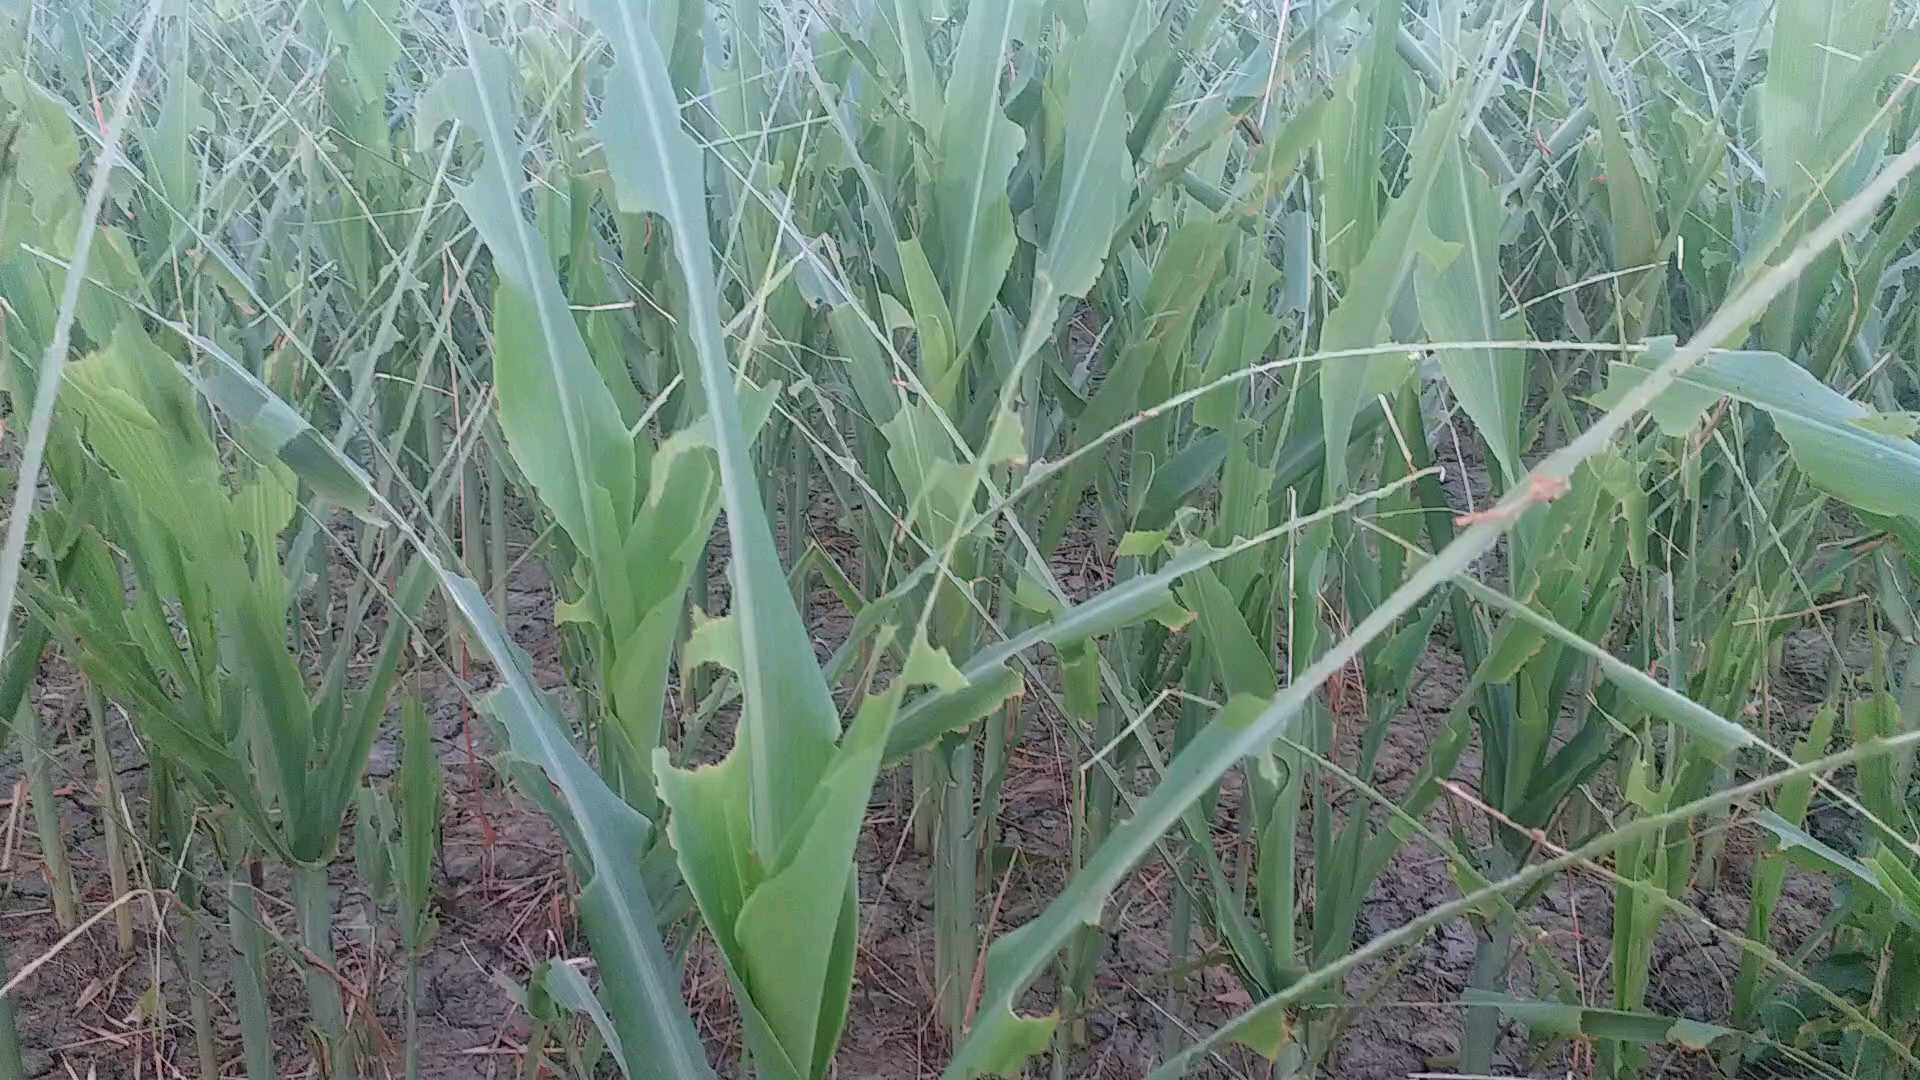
395 837
1873 925
280 765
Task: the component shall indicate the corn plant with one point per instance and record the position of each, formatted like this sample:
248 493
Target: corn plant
245 745
395 838
1871 926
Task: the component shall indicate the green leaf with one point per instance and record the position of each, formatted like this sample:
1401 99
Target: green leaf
561 422
569 990
1243 666
330 787
1807 101
1581 1022
18 671
1461 301
1240 339
269 427
800 983
419 815
977 151
789 724
1873 471
1892 425
1721 734
929 665
940 364
1351 140
1373 287
1800 846
1140 542
603 832
641 984
1096 171
1634 240
1017 957
169 145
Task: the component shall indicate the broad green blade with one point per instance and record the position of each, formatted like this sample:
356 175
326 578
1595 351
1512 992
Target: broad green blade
1374 285
1096 176
1458 287
1581 1022
783 926
561 422
1242 666
1721 734
331 787
790 724
1351 141
978 148
1812 70
1634 241
1801 846
640 982
270 427
570 990
1836 441
1001 1039
941 362
605 834
1136 598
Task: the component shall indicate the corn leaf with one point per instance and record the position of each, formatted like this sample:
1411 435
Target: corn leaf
269 427
1094 160
605 834
1458 288
1721 734
1812 73
561 422
1351 140
1635 243
774 814
978 148
1873 470
790 724
1583 1022
1800 846
1374 285
641 985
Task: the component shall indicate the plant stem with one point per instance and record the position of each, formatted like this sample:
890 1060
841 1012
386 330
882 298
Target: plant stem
249 971
953 886
108 791
1180 938
497 537
1483 1021
798 499
36 759
313 901
193 961
413 1015
532 1061
1083 953
12 1066
993 779
924 811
